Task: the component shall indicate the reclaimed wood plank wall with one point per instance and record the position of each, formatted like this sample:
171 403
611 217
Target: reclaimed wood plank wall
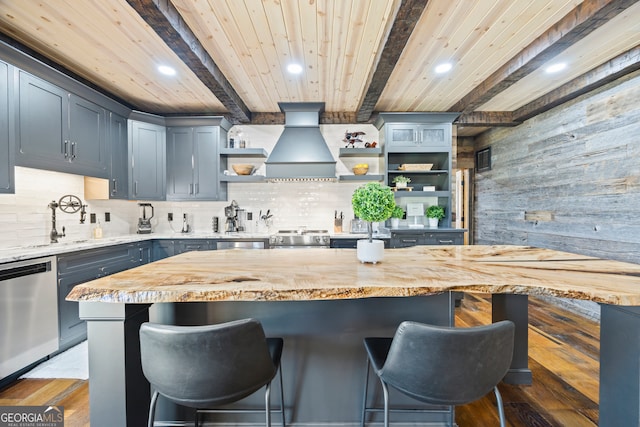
568 179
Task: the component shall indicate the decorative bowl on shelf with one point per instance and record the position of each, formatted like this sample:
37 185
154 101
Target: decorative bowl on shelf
360 169
416 167
243 169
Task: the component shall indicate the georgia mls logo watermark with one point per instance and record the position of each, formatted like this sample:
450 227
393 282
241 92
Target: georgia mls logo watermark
31 416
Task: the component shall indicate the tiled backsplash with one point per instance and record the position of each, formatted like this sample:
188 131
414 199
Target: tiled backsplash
25 218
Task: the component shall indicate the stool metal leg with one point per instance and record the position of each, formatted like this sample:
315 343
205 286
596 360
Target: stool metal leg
267 404
500 406
152 408
385 391
281 396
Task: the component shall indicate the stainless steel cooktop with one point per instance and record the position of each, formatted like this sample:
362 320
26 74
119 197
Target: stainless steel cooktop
301 238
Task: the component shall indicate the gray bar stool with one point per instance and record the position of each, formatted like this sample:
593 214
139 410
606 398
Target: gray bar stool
440 365
204 367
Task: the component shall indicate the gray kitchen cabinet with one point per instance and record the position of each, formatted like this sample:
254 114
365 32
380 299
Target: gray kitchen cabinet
418 135
78 267
193 150
7 130
192 156
60 131
408 238
190 245
162 249
147 158
419 146
119 172
349 243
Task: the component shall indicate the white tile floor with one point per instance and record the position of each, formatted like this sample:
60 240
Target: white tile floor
72 363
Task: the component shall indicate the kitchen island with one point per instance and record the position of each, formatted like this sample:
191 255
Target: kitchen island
328 295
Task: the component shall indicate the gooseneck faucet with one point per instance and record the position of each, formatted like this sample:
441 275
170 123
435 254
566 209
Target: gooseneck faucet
54 233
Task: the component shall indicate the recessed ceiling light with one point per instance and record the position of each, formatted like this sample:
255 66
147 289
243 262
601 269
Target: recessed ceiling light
554 68
294 68
443 68
166 70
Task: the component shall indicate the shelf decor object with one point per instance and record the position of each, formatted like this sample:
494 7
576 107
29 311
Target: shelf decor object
372 202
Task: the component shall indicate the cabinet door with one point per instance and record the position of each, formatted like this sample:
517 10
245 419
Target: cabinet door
147 153
180 163
43 140
119 175
207 185
162 249
6 133
402 135
87 148
434 136
71 328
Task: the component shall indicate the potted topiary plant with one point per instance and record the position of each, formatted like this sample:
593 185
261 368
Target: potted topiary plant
434 214
396 216
372 202
401 181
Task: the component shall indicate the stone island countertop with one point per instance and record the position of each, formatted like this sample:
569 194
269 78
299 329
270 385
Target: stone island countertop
326 274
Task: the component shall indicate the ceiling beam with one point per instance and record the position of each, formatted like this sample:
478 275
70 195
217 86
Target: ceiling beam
611 70
166 21
486 118
408 15
581 21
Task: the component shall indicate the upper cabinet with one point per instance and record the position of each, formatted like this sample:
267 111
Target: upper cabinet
418 136
147 151
119 173
193 145
6 131
59 130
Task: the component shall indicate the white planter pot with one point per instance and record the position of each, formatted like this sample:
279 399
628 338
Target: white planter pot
370 251
401 185
433 222
395 222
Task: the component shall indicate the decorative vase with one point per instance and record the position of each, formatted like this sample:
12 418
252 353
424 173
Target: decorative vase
433 222
401 185
395 222
370 251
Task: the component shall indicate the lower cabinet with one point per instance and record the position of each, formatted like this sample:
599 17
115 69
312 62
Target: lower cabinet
410 238
349 243
167 248
82 266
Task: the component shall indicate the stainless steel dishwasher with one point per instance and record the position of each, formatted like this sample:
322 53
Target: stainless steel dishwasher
28 313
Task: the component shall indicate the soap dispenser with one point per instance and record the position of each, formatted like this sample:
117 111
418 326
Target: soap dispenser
97 231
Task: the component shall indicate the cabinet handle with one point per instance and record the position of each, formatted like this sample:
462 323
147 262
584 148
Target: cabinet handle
445 241
73 151
66 148
409 240
135 188
190 188
197 187
115 187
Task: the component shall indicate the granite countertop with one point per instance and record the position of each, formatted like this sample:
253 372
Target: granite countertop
326 274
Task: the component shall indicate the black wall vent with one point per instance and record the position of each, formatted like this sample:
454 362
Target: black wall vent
483 159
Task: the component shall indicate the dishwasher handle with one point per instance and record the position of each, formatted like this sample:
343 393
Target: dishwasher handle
25 270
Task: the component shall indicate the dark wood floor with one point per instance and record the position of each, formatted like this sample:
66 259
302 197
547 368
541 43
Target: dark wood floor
563 356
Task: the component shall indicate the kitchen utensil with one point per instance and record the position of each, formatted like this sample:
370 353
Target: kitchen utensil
144 222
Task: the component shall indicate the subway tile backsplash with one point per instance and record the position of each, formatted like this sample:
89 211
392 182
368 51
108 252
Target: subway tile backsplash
25 218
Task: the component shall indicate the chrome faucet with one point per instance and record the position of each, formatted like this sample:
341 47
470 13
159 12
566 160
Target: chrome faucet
54 233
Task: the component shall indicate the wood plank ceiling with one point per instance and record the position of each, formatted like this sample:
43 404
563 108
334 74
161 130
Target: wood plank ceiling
360 57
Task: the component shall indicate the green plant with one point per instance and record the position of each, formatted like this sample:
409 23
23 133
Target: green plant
398 212
401 178
373 202
435 211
